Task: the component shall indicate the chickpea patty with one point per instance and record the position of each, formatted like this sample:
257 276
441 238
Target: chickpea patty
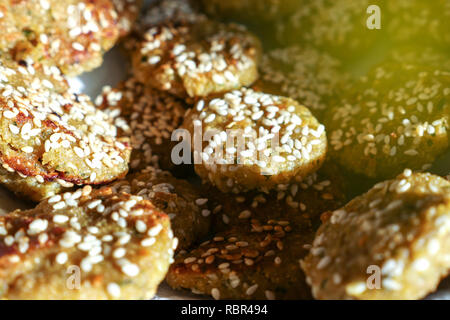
148 117
400 226
398 117
120 244
258 242
196 59
51 135
277 140
70 34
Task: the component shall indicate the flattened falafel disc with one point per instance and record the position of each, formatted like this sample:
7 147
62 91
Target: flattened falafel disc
119 245
52 138
397 117
400 227
148 117
191 59
70 34
305 74
254 140
258 242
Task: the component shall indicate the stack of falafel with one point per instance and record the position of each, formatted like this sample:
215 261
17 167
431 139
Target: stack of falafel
288 133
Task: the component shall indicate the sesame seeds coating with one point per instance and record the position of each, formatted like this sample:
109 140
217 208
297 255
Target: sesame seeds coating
398 117
256 254
304 74
148 117
400 226
127 12
282 140
337 26
419 21
52 135
72 35
169 11
196 59
182 201
238 267
421 54
94 231
304 198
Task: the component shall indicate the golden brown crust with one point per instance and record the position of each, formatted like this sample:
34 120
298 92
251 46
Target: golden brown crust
398 229
70 34
396 117
54 135
119 246
181 200
191 59
254 140
148 117
127 13
258 241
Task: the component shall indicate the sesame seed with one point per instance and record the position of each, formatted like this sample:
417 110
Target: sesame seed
113 290
141 226
61 258
60 219
130 269
147 242
59 205
78 46
215 293
269 295
251 290
154 231
201 201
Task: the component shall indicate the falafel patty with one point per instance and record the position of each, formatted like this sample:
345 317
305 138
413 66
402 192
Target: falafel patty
397 118
70 34
191 59
305 74
148 117
254 140
302 198
85 245
258 242
400 227
50 135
